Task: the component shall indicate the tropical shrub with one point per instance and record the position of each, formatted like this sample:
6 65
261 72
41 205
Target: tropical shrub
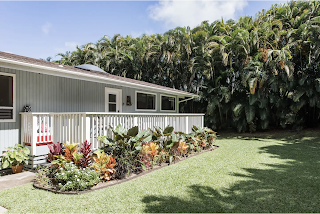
15 156
168 142
104 164
86 158
77 157
125 146
54 149
71 178
182 148
205 136
148 153
70 148
58 161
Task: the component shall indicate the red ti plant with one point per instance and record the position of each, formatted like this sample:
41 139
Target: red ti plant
55 149
86 158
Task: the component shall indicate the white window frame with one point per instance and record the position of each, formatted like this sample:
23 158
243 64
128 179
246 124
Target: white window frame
136 101
13 99
119 98
175 103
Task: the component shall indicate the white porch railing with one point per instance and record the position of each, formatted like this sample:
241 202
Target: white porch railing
37 128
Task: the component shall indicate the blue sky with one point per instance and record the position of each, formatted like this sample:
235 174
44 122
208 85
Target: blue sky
42 29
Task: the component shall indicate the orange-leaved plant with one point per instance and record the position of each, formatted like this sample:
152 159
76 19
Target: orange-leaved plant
183 147
148 153
104 164
70 148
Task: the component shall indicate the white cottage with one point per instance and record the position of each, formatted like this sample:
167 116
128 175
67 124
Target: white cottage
79 103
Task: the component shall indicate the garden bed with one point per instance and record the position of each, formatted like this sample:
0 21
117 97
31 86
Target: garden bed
132 176
75 169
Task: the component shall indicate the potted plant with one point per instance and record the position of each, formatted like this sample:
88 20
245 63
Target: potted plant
15 157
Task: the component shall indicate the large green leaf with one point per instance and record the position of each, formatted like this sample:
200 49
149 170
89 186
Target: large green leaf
250 113
105 140
26 150
263 103
147 139
253 99
133 131
120 130
303 79
297 94
253 84
237 109
174 137
286 68
168 130
5 164
263 114
141 134
264 124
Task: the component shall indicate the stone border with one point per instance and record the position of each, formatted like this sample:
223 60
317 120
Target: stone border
103 185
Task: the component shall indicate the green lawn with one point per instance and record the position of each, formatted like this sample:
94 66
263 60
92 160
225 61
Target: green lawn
250 173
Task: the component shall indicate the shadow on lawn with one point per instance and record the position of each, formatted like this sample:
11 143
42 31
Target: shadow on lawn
290 187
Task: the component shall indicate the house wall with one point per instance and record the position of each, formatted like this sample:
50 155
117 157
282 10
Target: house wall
45 93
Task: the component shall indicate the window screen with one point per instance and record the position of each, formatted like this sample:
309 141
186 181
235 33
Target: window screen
168 103
6 97
146 101
6 91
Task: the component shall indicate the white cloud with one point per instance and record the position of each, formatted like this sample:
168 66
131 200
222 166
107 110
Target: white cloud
46 27
191 13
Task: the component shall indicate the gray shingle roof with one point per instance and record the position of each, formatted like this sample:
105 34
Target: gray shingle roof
18 58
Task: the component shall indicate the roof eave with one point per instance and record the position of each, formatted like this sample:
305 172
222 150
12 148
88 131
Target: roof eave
94 78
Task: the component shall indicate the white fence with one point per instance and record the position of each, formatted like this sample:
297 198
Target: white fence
39 128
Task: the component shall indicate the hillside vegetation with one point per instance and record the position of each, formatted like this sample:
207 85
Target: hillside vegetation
252 74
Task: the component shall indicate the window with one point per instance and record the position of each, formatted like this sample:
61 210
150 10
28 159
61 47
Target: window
7 96
112 103
146 101
168 103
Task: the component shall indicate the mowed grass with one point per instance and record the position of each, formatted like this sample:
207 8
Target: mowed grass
249 173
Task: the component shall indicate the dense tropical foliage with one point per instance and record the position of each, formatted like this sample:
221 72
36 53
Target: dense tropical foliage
253 73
